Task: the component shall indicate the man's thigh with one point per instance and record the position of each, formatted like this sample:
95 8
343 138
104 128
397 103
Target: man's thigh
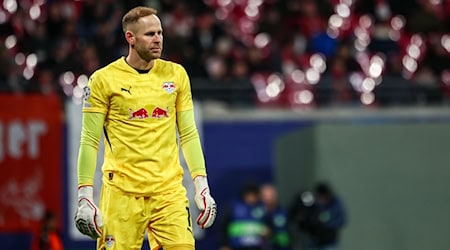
124 221
171 223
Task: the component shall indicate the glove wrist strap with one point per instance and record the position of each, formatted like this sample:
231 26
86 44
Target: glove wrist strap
86 192
201 182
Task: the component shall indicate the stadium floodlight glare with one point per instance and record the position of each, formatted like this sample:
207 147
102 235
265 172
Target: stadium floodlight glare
10 6
273 90
335 21
445 77
262 40
78 92
251 11
394 35
356 80
398 22
67 78
28 73
413 51
10 41
35 12
409 63
82 80
3 17
31 60
445 42
417 40
367 98
376 67
435 2
20 58
365 21
304 97
317 61
368 85
313 76
298 76
342 10
67 89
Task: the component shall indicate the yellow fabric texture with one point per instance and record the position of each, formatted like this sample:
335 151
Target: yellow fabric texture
164 215
91 133
142 111
190 143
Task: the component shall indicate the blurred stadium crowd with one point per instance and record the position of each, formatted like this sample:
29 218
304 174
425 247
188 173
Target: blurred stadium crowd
292 53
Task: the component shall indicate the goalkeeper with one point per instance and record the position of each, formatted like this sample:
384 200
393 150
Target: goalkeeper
140 102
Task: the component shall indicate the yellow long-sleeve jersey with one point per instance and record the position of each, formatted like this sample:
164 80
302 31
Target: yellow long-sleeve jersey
139 114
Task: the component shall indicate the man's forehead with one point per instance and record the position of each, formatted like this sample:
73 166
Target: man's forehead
150 22
151 19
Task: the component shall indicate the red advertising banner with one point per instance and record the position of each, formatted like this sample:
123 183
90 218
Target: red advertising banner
31 142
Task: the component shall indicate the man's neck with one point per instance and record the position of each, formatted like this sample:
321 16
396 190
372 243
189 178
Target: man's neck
137 63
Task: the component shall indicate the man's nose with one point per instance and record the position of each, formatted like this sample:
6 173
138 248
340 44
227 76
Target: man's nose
157 38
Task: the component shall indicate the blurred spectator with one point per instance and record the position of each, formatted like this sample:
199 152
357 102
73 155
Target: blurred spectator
236 41
239 69
243 225
89 59
205 35
428 17
341 66
50 238
47 84
217 68
276 219
320 216
427 86
4 70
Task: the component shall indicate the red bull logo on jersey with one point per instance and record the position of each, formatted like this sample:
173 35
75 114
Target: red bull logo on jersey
138 114
159 112
169 87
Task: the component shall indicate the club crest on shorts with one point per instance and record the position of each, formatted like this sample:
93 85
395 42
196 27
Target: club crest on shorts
109 240
169 87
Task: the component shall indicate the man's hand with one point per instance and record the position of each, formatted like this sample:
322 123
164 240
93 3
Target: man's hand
88 219
204 201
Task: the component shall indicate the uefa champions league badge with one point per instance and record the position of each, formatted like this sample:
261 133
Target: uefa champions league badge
109 240
169 87
86 95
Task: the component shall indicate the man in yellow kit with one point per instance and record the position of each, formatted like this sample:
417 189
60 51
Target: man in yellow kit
139 101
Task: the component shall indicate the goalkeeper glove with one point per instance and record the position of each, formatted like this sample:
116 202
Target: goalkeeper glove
88 219
204 201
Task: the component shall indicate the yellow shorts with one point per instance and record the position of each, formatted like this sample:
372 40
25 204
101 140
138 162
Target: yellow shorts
126 219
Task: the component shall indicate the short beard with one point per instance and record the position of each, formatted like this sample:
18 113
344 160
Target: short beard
146 54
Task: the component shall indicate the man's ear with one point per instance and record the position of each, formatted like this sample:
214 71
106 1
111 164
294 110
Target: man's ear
129 36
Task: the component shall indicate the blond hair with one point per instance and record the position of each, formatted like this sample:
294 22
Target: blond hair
133 15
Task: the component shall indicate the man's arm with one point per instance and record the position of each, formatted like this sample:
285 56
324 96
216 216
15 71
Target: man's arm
192 151
91 133
190 143
88 219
